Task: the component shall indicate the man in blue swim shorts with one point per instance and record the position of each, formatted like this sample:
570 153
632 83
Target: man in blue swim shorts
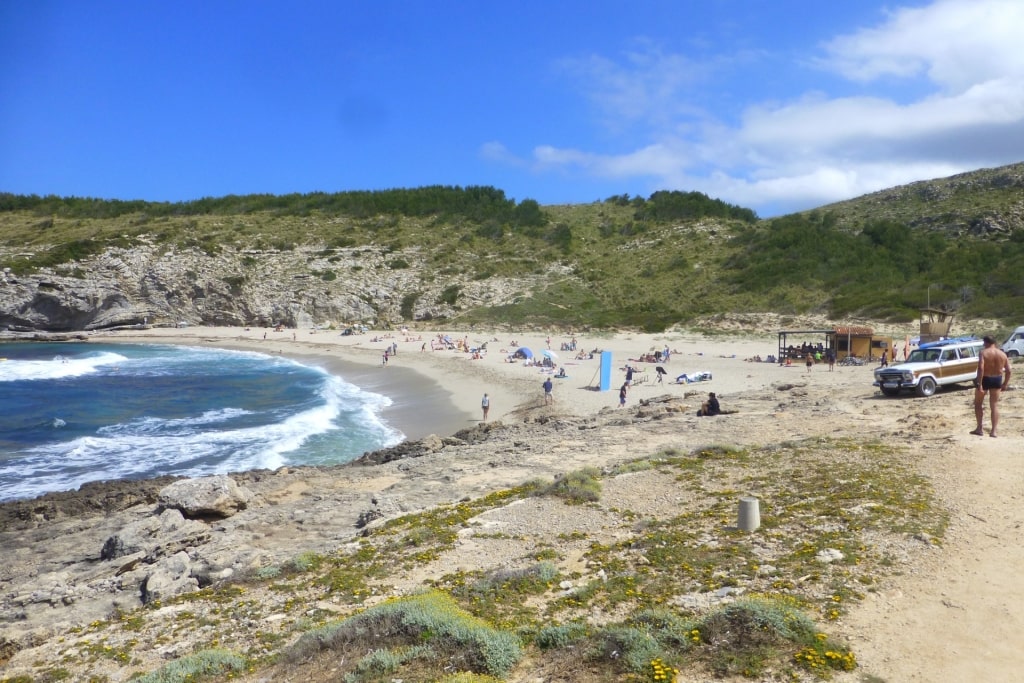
993 378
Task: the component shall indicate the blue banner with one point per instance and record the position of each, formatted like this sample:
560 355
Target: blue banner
606 370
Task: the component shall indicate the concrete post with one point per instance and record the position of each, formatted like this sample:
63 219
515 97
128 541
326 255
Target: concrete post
750 514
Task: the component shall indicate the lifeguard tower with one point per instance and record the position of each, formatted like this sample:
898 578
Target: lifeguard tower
936 324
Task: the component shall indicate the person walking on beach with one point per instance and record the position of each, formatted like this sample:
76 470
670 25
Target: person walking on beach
548 388
622 394
993 378
485 405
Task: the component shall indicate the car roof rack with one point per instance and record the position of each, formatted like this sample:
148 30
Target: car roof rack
945 342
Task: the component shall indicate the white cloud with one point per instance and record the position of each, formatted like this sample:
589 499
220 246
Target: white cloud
497 152
646 86
962 57
956 43
853 123
655 160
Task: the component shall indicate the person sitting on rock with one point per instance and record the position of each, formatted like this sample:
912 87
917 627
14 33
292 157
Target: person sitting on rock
710 407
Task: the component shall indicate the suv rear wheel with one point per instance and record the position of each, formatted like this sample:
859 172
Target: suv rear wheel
926 387
1012 353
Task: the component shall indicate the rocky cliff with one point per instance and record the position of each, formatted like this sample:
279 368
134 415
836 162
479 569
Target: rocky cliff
303 287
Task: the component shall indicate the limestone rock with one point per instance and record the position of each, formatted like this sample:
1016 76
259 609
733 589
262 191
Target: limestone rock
829 555
155 536
151 283
217 496
170 576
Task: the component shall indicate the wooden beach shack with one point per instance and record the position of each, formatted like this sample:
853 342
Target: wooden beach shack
861 342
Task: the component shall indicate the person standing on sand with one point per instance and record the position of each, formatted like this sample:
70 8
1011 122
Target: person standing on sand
548 388
485 405
993 378
810 362
622 394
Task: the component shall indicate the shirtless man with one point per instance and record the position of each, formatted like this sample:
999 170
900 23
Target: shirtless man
993 377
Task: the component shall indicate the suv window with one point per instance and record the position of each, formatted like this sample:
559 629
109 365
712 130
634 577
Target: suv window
969 352
923 356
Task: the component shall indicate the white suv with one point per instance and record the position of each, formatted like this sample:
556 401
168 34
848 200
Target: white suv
931 366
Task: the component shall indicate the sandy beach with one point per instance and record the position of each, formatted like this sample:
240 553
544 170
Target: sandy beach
438 391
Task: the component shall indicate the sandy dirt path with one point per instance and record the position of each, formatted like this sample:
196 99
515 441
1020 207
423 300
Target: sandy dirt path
959 616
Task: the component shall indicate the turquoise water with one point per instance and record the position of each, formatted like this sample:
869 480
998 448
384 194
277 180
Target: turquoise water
73 413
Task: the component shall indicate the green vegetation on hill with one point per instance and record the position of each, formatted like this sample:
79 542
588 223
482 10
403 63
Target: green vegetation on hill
883 271
626 261
476 203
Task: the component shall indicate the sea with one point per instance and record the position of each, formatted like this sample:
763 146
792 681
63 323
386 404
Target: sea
74 413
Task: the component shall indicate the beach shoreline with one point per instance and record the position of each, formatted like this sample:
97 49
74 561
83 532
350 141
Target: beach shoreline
439 391
422 401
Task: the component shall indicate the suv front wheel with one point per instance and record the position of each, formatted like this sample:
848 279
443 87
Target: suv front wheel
926 387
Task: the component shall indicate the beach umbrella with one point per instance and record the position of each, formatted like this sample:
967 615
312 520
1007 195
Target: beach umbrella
523 352
547 353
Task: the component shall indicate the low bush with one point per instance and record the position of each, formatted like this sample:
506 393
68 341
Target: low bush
579 486
431 618
204 665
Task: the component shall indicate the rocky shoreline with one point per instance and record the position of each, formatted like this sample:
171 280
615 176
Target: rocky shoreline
75 557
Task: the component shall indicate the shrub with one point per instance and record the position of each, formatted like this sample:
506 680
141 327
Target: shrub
668 627
579 486
450 295
271 572
382 662
748 635
235 282
409 304
562 635
634 647
207 663
457 637
307 561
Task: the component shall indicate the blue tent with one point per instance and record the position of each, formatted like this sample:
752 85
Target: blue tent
523 352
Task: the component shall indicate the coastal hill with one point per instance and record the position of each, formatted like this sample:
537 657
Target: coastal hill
471 256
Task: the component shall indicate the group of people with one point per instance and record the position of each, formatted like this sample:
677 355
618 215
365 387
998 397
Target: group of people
662 356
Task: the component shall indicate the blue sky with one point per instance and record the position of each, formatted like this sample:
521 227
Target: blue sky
777 105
